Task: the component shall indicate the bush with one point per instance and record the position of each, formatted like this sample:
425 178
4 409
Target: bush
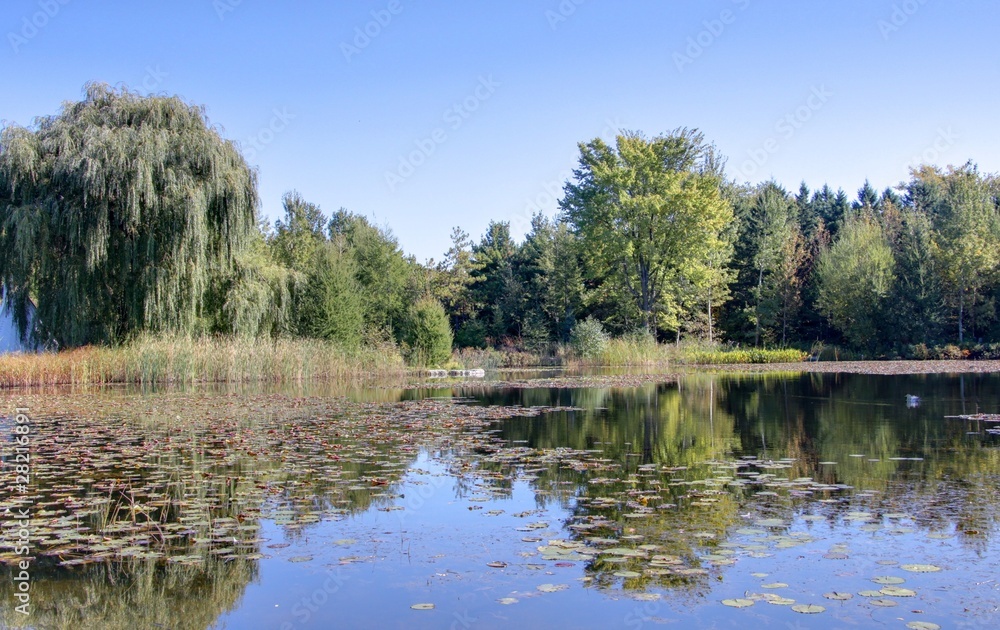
950 352
427 339
919 352
588 338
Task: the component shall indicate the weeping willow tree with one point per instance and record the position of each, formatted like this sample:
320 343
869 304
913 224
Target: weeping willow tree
116 213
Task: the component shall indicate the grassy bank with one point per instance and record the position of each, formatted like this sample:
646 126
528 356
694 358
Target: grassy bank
206 359
624 352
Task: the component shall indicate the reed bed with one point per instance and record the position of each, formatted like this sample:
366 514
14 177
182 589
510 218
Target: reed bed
159 359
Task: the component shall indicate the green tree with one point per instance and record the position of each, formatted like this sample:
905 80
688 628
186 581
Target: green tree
380 268
256 295
962 207
778 252
116 213
560 283
333 306
454 279
428 337
302 232
649 210
855 277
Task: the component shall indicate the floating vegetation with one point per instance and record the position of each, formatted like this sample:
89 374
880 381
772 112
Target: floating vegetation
178 479
808 609
920 568
669 508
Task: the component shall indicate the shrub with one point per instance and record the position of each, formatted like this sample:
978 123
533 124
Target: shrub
950 352
428 337
588 338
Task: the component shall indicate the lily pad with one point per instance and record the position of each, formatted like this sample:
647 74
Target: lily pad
884 603
920 568
808 609
922 625
422 607
838 596
888 579
898 591
738 603
552 588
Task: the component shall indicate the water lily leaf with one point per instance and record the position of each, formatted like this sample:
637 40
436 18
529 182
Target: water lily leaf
884 603
870 593
627 574
774 585
780 601
920 568
507 601
737 603
808 609
422 606
552 588
888 579
898 591
838 596
922 625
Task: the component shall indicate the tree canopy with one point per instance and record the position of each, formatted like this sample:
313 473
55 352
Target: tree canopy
650 211
116 212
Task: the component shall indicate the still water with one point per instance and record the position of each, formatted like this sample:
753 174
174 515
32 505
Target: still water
716 501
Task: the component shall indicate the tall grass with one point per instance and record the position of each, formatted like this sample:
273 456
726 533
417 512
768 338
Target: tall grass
742 355
167 359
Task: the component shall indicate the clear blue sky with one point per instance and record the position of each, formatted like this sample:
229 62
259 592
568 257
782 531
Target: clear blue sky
869 85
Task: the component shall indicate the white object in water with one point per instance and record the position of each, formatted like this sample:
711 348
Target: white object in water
912 401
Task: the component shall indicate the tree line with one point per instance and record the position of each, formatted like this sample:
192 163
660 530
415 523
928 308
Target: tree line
126 213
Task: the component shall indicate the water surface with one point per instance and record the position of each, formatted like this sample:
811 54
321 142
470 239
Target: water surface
603 507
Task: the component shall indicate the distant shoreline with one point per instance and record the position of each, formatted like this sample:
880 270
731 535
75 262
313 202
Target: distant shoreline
864 367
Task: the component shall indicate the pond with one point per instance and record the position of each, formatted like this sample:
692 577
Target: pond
608 501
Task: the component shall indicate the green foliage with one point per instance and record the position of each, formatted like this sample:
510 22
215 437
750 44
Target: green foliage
116 213
256 296
747 355
428 339
648 212
855 277
333 306
297 238
588 338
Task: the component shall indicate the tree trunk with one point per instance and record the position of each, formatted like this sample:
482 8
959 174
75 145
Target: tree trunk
961 315
760 287
710 315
